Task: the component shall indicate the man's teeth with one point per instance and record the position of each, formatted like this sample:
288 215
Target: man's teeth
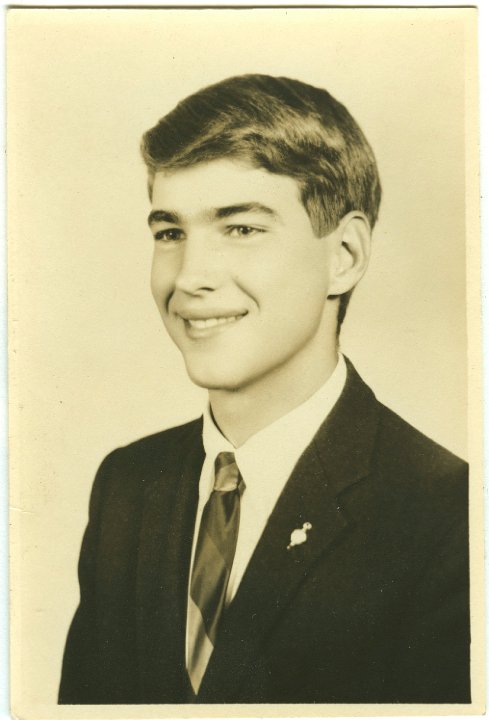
212 322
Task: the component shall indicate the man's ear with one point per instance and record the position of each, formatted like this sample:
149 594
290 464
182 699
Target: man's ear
352 240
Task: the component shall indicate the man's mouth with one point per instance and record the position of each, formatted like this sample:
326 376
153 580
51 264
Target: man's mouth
203 324
206 323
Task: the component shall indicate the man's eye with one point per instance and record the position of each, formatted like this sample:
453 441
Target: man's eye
169 236
243 230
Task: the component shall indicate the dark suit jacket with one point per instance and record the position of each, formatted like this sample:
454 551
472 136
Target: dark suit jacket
374 607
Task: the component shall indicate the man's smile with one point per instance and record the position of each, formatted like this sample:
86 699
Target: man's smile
203 324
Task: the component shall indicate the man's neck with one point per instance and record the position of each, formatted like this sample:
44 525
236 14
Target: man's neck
240 413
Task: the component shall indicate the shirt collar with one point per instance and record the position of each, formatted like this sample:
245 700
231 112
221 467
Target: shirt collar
273 452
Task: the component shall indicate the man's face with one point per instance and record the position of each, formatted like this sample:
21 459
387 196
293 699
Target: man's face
238 275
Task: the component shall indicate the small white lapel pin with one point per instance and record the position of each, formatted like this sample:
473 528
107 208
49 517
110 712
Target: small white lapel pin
299 536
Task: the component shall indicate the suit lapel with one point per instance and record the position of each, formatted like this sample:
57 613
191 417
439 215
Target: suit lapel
338 457
170 505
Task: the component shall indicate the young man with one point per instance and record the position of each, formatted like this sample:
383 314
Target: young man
302 543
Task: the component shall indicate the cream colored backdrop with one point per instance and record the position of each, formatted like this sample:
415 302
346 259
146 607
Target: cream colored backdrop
91 365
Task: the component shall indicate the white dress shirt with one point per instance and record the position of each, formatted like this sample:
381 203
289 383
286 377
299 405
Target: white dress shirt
266 461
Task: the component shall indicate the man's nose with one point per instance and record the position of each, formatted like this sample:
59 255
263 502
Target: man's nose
201 267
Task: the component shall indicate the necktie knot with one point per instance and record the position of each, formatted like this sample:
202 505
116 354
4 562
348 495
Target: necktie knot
226 473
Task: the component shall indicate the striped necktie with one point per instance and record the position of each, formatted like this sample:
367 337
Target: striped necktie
214 554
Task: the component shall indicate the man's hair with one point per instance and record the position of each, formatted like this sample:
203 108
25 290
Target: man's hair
284 126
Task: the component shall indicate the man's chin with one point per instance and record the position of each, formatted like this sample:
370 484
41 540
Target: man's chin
214 380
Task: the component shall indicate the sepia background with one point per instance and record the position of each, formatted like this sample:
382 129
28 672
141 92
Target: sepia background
91 366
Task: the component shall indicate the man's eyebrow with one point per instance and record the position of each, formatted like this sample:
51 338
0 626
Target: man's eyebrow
169 216
230 210
163 216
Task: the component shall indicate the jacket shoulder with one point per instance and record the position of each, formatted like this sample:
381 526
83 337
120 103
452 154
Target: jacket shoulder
421 481
160 442
127 469
400 443
394 447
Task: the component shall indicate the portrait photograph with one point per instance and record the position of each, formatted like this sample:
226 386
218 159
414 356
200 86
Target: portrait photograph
245 375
